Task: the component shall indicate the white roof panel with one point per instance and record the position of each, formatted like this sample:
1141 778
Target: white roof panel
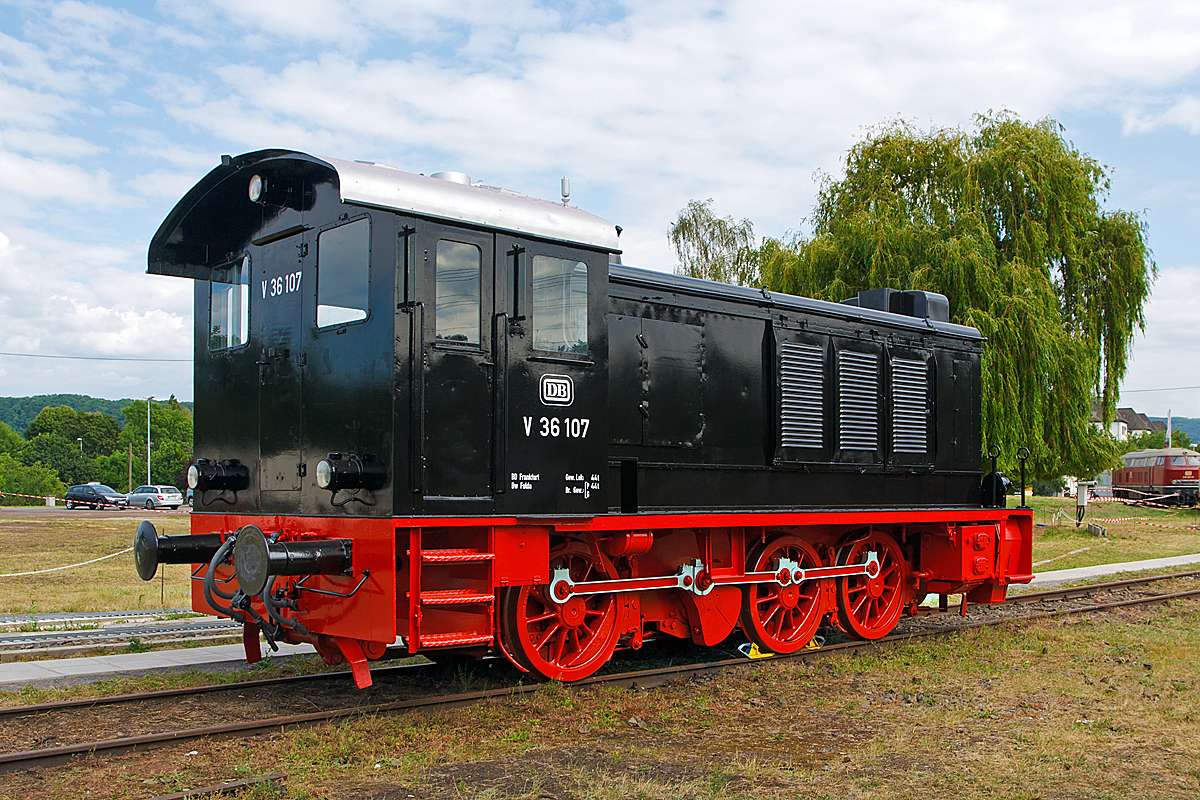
382 186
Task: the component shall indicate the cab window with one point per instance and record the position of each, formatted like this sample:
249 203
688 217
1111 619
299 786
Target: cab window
343 273
559 305
229 306
457 266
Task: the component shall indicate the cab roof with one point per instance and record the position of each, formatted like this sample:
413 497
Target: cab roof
216 217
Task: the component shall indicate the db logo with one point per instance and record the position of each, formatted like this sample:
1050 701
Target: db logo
557 390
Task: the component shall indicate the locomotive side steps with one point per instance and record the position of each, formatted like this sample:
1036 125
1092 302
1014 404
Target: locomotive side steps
459 555
449 597
458 617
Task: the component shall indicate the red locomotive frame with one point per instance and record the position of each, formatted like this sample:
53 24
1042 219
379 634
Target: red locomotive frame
508 595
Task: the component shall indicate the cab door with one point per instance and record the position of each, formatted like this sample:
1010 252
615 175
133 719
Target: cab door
278 271
454 468
552 450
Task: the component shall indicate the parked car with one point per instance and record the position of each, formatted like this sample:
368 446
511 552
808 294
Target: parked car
155 497
95 495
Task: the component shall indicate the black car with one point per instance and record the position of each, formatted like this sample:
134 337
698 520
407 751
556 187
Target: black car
95 495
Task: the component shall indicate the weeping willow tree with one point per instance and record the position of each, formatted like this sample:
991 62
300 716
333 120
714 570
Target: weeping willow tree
714 248
1005 221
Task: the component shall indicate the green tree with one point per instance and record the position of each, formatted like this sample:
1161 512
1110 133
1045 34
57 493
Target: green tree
60 455
170 440
712 248
1006 222
98 432
35 481
10 441
1154 440
116 471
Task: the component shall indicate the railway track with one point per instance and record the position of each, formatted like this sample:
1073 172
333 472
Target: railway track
656 676
56 642
68 633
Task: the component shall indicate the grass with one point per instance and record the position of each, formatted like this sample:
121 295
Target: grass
1103 706
1064 708
1059 545
28 543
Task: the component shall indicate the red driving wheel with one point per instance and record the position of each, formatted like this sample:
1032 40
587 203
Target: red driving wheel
564 641
781 619
870 606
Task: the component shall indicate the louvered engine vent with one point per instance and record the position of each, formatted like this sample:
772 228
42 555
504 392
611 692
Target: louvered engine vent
858 401
910 399
801 417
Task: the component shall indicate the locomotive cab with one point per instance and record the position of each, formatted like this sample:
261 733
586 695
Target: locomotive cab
339 334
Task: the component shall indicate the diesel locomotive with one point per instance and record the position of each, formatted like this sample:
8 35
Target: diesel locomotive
433 416
1169 475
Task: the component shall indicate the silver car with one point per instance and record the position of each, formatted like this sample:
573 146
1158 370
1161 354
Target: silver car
151 497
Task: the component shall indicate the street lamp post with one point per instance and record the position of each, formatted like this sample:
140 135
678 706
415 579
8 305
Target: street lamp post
80 440
148 399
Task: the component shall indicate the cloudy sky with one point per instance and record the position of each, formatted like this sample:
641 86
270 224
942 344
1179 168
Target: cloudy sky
109 112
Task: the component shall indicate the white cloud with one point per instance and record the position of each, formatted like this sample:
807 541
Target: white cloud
1184 113
31 179
59 297
22 106
353 27
107 116
43 143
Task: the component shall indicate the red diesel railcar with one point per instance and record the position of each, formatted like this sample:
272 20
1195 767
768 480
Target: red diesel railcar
1169 475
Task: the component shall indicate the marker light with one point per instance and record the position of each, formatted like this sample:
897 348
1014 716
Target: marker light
207 474
349 471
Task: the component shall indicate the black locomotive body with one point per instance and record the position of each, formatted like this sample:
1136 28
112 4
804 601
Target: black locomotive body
389 365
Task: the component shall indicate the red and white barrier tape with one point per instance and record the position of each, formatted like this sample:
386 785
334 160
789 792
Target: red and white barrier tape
1140 521
43 497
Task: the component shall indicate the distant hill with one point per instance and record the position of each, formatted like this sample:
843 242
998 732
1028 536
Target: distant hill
1189 425
18 412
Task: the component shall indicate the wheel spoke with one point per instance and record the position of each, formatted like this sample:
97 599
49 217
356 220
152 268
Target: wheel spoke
560 642
574 640
546 635
770 597
533 620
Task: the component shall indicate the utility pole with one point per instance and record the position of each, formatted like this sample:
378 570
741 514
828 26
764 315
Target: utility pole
148 399
131 466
